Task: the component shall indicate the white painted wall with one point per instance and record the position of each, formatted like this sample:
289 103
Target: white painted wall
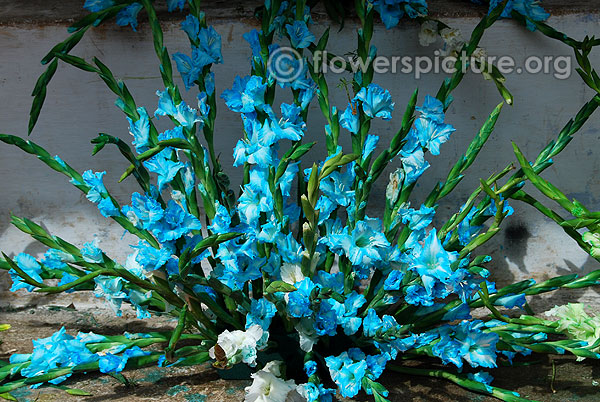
78 107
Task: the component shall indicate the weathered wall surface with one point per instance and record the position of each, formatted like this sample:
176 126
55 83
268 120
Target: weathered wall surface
78 107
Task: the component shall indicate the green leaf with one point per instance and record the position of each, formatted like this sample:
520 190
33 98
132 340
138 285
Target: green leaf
322 41
280 286
301 150
64 46
39 93
337 161
544 186
72 391
77 392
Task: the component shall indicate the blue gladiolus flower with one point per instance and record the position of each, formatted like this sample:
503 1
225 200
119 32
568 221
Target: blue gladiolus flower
415 8
252 151
478 348
144 210
414 165
203 105
269 232
261 313
256 198
189 71
253 40
151 258
189 178
246 95
417 219
60 350
172 5
111 288
221 223
310 367
391 11
299 300
97 5
128 15
110 363
372 323
492 209
289 249
482 377
432 263
417 294
175 223
349 119
289 127
236 269
176 132
347 316
465 285
448 349
337 187
329 280
466 231
56 259
107 208
346 373
93 180
369 146
31 267
209 83
140 130
528 8
286 180
375 365
511 301
364 245
187 116
306 95
91 253
191 26
300 36
326 319
209 48
393 280
431 134
532 10
166 107
432 109
376 101
164 167
184 114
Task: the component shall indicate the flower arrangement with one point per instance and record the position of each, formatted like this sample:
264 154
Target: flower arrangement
292 268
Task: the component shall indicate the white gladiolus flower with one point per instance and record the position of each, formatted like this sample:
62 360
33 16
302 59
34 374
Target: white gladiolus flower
291 273
307 333
452 36
267 386
235 346
428 33
479 53
453 41
480 56
394 186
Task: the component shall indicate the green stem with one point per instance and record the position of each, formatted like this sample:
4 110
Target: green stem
462 381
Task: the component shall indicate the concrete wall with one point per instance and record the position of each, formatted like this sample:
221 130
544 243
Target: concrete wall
78 107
